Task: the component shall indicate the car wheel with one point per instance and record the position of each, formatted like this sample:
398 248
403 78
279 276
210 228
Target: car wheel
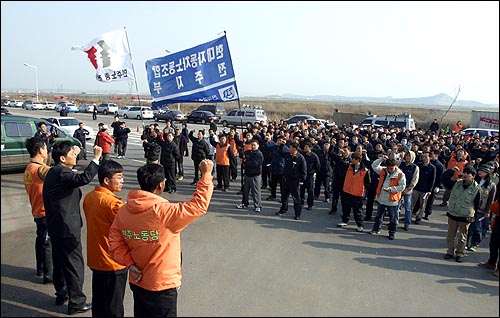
116 114
224 123
203 121
104 112
138 117
155 118
125 116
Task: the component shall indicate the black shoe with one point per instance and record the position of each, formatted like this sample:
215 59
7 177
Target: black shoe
332 212
280 213
270 198
417 221
316 197
448 256
47 280
218 188
297 218
39 273
391 236
225 190
426 218
193 183
60 300
239 192
84 308
407 227
459 259
310 207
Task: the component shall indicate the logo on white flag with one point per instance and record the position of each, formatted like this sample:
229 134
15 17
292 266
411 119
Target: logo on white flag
109 55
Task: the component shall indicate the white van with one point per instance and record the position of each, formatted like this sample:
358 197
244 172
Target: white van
245 117
400 120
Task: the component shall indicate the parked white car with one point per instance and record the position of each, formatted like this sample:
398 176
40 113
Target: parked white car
49 105
16 103
86 108
139 112
35 106
122 111
69 125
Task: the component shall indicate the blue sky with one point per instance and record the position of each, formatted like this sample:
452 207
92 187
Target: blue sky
398 49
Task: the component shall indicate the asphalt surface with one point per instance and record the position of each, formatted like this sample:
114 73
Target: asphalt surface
239 263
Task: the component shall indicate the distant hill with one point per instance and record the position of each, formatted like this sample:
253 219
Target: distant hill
436 100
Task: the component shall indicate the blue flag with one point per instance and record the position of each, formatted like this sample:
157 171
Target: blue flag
203 73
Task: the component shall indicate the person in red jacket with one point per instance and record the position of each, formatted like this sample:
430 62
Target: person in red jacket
109 278
104 140
145 237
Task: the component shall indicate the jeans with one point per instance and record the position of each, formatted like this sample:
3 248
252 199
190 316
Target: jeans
393 217
406 202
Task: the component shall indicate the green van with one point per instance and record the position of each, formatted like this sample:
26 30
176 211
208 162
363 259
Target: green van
15 131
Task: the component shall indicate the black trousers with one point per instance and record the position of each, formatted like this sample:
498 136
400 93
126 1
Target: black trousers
337 186
170 183
291 187
179 167
495 244
222 177
68 269
355 203
309 186
154 303
233 167
122 146
266 174
108 292
197 169
275 180
43 248
370 201
322 179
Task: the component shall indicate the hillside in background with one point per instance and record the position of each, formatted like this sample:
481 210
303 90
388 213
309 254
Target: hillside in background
436 100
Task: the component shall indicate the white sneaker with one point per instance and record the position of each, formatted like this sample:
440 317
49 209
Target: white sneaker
257 210
241 206
341 224
360 229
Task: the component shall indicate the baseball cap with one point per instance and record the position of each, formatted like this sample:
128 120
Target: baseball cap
485 167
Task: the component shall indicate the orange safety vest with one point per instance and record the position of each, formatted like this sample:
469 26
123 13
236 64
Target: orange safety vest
221 156
393 196
233 145
354 183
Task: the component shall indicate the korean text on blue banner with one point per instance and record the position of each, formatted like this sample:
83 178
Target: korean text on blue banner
203 73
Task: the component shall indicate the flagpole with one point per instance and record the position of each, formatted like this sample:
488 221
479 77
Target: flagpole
133 69
236 86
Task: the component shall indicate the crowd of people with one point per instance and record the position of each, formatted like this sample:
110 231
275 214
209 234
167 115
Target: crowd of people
356 168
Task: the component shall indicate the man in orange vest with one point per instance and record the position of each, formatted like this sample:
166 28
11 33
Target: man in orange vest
34 175
388 194
356 181
223 156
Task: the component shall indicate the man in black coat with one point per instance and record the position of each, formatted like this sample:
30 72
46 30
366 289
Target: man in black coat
199 152
294 178
61 195
169 156
81 134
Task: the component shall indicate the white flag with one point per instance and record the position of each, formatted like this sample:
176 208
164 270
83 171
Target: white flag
109 55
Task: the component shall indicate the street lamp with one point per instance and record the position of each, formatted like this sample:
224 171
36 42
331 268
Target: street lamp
36 77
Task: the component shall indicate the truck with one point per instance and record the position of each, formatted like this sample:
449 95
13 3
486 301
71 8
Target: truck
484 119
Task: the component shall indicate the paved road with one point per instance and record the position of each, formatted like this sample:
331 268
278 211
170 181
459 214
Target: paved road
238 263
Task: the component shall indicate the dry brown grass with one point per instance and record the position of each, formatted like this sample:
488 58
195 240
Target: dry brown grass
277 109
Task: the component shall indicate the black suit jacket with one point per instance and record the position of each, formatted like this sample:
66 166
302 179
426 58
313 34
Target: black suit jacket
61 197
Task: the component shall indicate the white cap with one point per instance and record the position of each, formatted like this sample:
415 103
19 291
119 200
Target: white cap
105 127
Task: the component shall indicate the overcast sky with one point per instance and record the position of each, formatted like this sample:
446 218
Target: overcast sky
376 49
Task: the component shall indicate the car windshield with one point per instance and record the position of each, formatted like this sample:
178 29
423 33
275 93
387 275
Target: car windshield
68 122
